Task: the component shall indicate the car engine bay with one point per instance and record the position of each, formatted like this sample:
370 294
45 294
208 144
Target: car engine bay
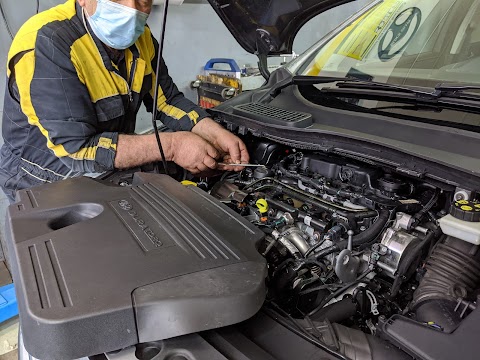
360 262
354 244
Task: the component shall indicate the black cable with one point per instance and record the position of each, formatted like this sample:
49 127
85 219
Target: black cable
320 287
338 292
315 247
327 251
282 321
157 83
419 216
5 20
38 6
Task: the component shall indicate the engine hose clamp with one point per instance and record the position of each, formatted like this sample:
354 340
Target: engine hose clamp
373 302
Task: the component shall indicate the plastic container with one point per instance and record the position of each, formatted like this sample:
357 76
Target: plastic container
233 69
8 302
463 230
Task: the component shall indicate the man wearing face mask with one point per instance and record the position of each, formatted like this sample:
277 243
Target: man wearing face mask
77 76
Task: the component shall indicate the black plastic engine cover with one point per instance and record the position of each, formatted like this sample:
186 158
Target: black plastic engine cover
99 267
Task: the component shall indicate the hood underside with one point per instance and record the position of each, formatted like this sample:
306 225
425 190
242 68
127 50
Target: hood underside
269 27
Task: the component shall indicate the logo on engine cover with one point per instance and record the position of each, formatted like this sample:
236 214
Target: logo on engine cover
125 205
142 225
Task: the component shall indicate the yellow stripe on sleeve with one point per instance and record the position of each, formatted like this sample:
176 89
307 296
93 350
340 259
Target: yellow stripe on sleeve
193 115
165 108
88 153
26 67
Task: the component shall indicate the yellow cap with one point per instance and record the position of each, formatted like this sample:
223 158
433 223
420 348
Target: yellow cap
188 182
262 205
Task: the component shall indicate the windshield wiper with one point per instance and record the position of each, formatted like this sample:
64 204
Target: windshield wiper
373 85
441 90
341 82
351 82
452 96
444 93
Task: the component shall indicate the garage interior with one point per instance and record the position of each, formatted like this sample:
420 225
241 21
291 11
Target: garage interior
192 17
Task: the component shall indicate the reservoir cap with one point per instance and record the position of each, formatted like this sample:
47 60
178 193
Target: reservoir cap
466 210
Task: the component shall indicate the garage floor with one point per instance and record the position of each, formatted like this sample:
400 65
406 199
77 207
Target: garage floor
9 328
9 339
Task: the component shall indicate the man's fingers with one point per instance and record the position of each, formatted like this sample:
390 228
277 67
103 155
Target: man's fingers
234 152
201 167
244 156
210 162
212 152
238 153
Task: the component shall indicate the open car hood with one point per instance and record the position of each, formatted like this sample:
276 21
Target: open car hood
269 27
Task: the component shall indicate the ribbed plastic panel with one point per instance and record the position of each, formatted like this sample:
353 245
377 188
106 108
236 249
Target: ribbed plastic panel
98 268
274 115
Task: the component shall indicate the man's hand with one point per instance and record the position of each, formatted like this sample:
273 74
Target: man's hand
232 149
192 152
188 150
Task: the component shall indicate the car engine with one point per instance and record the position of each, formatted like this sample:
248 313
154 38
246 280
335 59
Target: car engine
353 244
305 254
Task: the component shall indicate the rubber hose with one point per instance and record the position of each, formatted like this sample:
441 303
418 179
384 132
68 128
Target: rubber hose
361 239
451 269
336 312
374 230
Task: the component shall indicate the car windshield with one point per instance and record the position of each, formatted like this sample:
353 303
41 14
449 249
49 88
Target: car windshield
412 43
409 42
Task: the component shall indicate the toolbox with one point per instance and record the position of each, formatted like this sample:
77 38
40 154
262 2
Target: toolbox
216 84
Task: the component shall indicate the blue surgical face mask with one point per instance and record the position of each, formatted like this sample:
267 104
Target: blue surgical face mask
116 25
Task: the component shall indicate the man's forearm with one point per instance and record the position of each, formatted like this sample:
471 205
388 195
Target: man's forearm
136 150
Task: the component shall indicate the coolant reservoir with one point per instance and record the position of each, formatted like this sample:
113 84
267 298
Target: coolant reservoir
463 222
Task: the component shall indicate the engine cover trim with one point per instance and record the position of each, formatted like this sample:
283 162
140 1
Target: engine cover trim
98 267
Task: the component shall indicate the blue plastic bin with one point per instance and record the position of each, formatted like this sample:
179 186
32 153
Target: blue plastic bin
8 302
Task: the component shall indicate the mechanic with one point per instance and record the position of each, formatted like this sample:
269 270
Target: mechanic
77 75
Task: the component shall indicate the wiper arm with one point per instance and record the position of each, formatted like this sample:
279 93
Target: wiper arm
301 80
372 85
441 90
341 82
456 87
402 94
458 91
